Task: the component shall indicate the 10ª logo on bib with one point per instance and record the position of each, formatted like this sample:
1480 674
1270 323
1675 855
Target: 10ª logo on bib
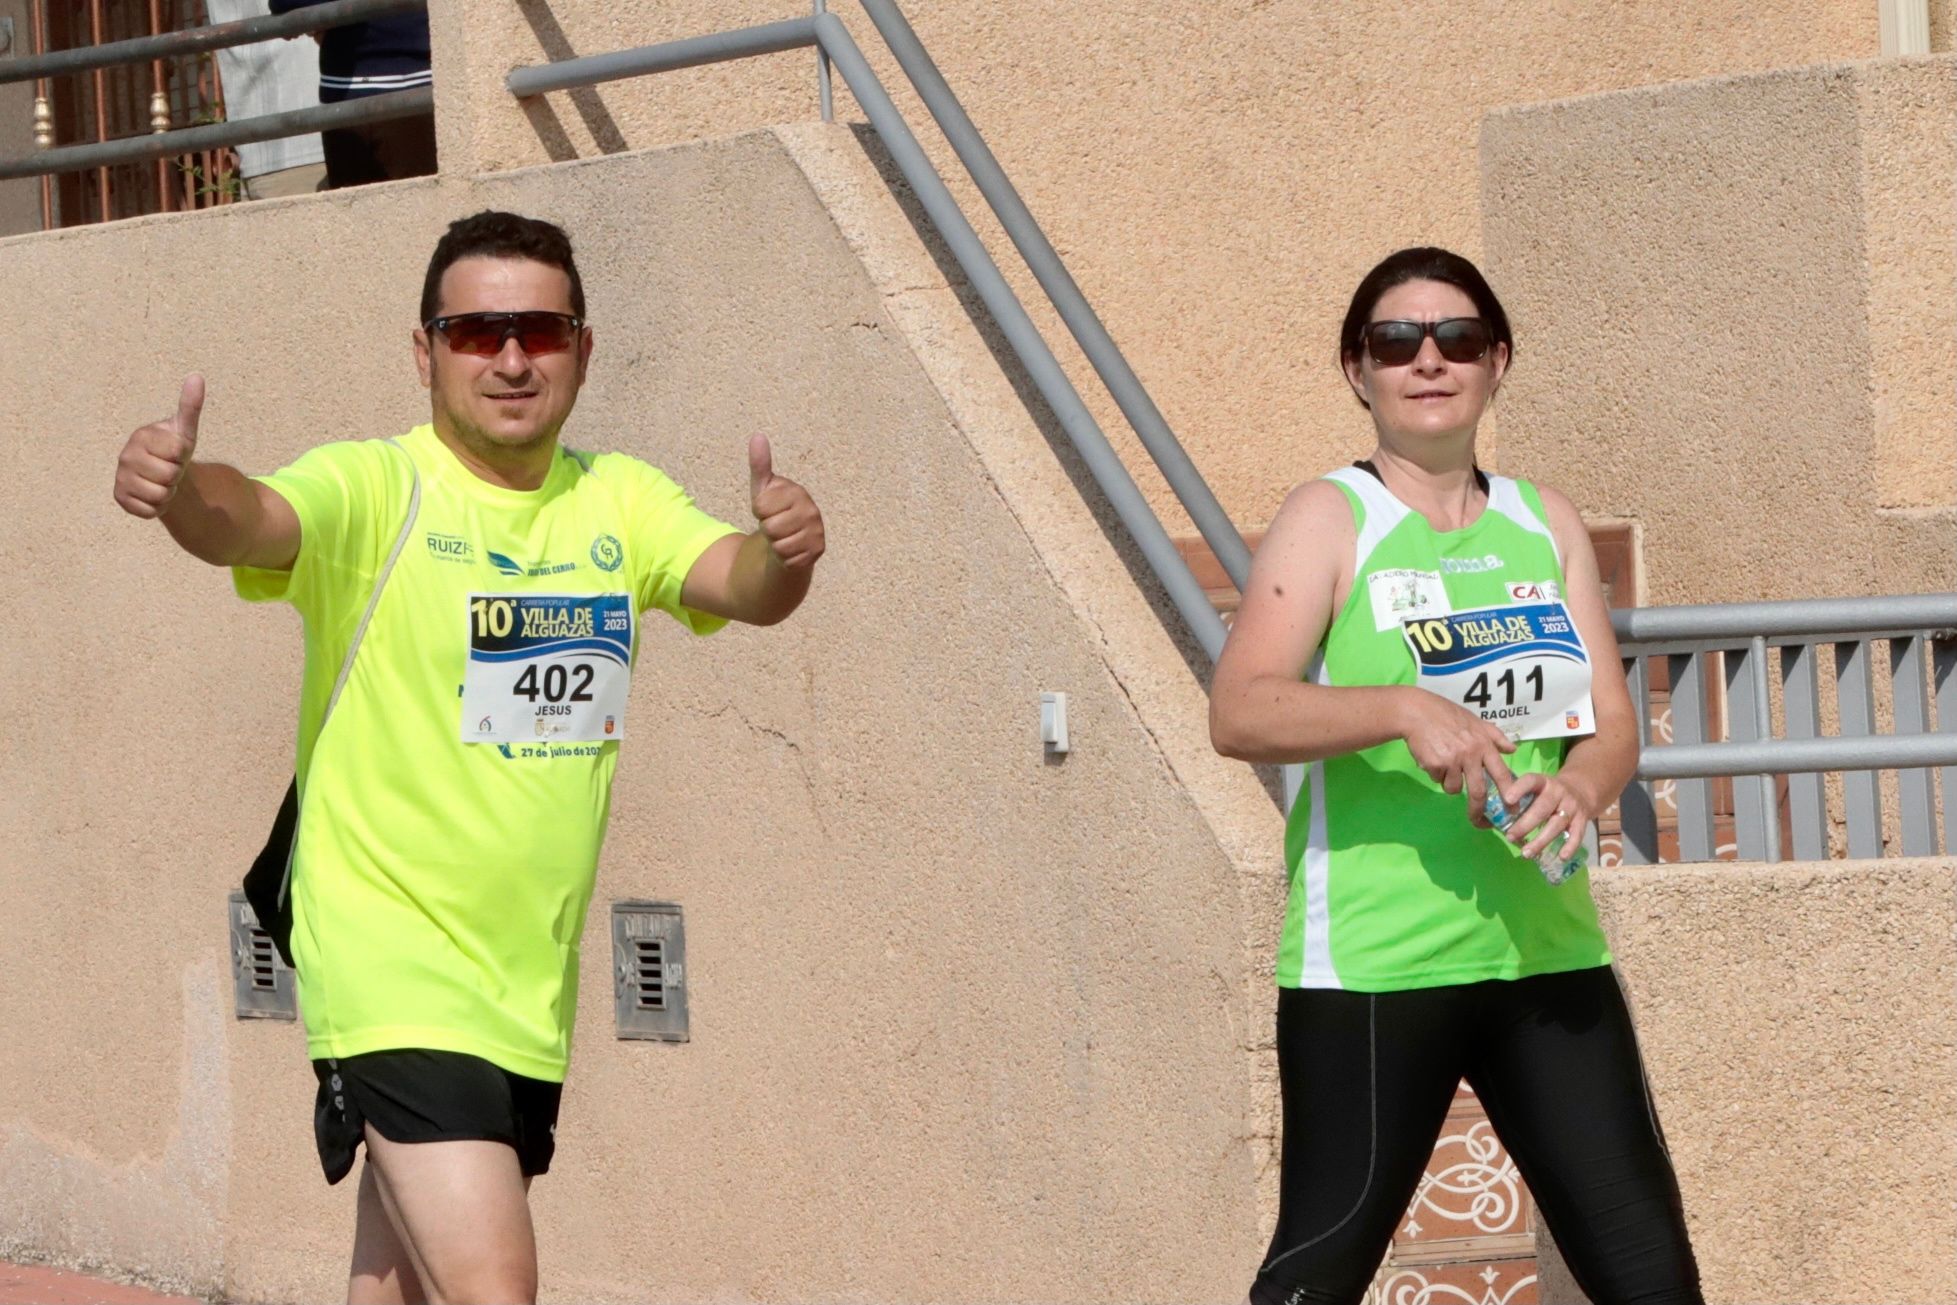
1522 667
547 666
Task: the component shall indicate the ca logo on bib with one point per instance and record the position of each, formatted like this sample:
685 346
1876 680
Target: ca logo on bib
1521 667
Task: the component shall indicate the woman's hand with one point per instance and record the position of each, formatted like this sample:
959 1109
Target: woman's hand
1456 748
1559 807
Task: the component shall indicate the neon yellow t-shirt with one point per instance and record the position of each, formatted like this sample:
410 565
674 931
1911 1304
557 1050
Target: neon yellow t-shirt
447 848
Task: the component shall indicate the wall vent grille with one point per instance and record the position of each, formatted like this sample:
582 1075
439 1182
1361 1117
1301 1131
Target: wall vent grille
263 986
649 971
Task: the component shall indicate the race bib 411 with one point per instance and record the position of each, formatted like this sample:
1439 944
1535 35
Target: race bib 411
1522 667
547 666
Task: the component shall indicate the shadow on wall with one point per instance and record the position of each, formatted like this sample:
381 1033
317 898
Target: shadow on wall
585 99
1049 425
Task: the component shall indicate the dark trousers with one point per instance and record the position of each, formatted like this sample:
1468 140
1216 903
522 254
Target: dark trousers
379 151
1367 1079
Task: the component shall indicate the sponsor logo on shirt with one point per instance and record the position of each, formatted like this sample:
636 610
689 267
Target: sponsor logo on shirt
606 553
1471 565
450 548
1546 592
510 566
1402 594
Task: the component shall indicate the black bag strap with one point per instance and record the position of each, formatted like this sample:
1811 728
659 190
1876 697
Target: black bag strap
359 633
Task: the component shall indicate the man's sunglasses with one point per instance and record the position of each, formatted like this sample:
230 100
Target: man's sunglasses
1397 343
485 334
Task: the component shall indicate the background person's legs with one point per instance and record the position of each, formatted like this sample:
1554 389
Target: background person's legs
379 151
462 1213
302 180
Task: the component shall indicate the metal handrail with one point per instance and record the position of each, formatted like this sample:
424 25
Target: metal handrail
218 36
1738 622
1798 756
668 56
188 140
827 32
1226 542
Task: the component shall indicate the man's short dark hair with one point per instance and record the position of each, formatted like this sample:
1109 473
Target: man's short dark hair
490 234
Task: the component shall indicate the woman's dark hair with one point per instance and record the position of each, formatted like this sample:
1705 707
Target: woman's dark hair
490 234
1423 263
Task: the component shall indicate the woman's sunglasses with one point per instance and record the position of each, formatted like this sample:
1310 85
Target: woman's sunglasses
485 334
1397 343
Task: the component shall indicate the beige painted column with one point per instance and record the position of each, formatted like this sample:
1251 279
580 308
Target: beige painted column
1735 304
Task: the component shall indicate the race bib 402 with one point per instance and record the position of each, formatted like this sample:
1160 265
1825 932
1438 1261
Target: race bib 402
1522 667
547 666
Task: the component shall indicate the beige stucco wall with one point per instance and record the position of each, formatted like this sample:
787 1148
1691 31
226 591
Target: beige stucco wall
1801 1044
1218 176
1737 301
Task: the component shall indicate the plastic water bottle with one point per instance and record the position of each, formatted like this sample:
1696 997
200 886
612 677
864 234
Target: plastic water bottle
1554 868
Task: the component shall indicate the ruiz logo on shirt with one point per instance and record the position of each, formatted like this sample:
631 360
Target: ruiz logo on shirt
450 548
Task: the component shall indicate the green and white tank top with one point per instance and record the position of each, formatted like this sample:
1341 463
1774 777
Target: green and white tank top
1391 887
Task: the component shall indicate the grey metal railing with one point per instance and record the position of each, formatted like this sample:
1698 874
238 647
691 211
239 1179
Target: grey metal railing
827 32
189 140
196 40
1753 654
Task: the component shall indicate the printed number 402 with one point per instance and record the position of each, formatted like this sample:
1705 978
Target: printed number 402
555 684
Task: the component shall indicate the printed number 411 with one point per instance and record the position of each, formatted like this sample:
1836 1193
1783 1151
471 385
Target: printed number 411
1480 694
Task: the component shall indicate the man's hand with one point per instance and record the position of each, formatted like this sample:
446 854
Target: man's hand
156 457
760 577
790 520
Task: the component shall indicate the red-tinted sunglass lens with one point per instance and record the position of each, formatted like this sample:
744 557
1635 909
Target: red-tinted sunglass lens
1461 339
543 332
483 334
1394 344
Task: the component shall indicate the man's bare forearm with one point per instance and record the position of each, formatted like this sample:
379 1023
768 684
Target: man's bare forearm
216 515
764 588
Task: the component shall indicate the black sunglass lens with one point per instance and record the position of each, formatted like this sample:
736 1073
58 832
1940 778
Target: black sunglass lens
1462 339
1393 344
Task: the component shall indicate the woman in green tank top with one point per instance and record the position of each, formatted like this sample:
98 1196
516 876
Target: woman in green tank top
1431 639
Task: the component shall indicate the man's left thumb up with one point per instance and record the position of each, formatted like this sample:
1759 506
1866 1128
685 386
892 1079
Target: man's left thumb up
760 466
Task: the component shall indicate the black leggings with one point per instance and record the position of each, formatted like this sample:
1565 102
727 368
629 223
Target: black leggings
1367 1080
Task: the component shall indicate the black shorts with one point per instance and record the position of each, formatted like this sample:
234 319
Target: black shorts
431 1096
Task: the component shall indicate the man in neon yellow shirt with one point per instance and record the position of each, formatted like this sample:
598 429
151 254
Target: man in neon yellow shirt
454 789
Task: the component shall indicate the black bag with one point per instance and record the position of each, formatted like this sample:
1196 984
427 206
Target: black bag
266 877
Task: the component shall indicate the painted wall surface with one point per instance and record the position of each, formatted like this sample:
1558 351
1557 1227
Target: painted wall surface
1737 306
1218 176
1801 1044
